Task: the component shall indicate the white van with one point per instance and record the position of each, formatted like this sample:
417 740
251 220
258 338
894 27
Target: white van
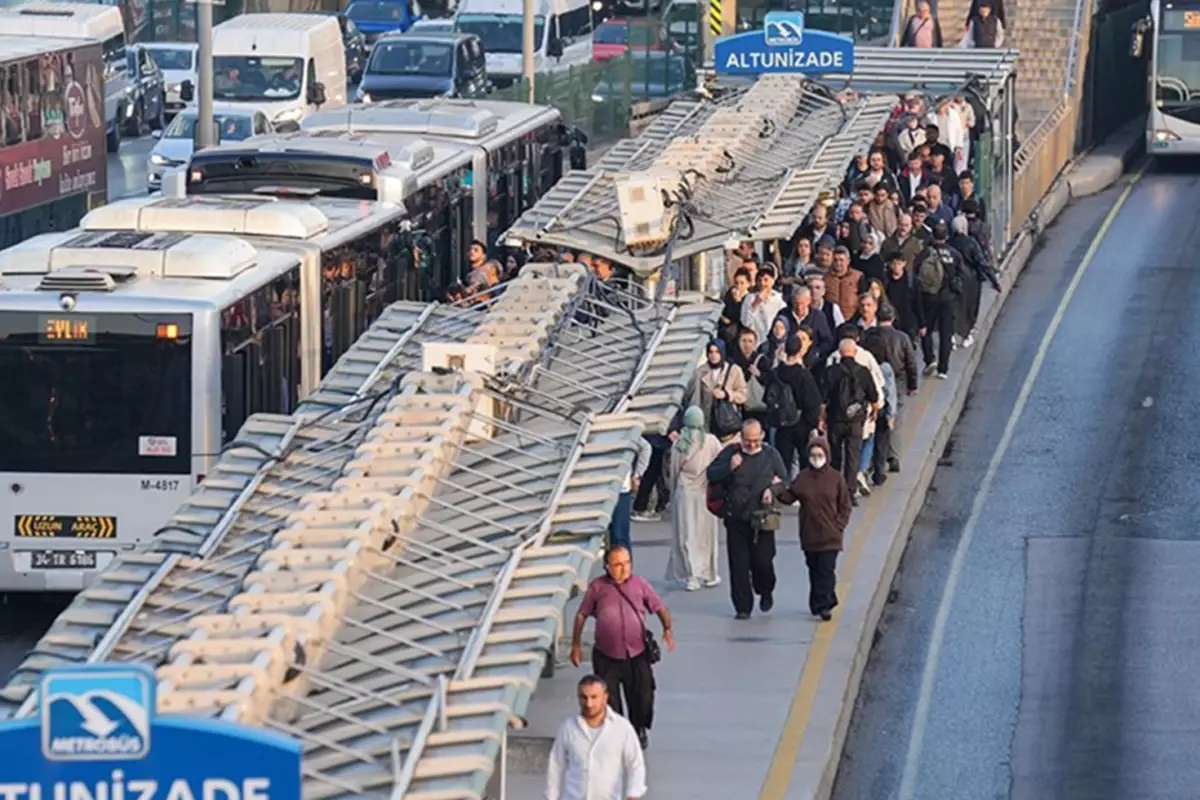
81 21
562 34
287 65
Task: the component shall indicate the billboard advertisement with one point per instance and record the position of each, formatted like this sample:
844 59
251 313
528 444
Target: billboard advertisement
67 156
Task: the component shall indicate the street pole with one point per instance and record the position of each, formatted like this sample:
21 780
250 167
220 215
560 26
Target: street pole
527 46
204 74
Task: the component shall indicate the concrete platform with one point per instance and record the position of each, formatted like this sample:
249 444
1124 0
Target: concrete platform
759 709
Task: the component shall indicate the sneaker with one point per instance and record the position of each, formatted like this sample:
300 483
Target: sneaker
826 616
742 615
970 340
942 376
713 583
863 486
879 479
893 465
643 516
644 739
692 585
930 370
766 602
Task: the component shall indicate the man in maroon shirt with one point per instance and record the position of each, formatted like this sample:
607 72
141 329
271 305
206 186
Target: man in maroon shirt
619 601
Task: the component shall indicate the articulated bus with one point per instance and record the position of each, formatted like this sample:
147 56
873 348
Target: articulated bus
449 148
136 346
1172 33
51 134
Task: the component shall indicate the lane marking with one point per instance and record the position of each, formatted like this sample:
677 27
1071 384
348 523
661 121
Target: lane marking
787 750
916 741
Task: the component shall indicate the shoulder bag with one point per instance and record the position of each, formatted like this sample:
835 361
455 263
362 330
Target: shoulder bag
653 650
726 419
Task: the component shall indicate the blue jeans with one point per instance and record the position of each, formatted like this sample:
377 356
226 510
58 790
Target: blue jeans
618 529
868 451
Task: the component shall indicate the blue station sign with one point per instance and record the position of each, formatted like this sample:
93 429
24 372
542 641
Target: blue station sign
97 736
783 46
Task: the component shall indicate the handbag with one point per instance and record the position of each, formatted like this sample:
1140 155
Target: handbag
726 418
756 394
714 499
653 651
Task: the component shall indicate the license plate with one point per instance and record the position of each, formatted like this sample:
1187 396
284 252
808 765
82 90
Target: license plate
62 559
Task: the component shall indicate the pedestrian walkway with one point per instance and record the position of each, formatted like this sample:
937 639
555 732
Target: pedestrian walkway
750 709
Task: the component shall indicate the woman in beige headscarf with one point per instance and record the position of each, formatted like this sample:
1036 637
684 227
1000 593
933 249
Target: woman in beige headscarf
694 550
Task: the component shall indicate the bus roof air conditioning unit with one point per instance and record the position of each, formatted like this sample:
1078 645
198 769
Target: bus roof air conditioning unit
460 357
645 218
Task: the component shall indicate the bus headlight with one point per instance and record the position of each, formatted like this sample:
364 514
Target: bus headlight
289 115
1165 136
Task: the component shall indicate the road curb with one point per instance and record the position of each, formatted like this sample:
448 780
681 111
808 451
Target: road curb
815 772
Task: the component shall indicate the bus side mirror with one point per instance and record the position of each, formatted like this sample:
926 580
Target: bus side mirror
316 94
187 91
1137 47
554 48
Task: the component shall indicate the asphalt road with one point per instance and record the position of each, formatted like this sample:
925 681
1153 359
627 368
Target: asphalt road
1071 647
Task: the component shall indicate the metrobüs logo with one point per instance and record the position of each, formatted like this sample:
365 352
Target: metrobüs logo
95 715
76 109
783 28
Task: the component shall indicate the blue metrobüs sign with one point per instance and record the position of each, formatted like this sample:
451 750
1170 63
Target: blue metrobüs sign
784 46
97 736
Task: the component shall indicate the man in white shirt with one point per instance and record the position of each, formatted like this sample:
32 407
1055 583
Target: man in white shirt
760 309
596 755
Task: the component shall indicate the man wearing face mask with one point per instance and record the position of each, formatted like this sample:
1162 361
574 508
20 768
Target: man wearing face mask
825 508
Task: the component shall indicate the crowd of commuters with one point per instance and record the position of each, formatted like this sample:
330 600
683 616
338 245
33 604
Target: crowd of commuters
798 401
983 28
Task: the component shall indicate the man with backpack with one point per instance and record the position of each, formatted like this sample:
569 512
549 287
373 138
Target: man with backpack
793 403
851 397
939 276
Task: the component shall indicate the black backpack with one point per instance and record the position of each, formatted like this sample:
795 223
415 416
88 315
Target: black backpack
780 401
850 400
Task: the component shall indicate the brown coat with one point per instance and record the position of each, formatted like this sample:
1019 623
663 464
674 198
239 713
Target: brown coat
824 505
843 290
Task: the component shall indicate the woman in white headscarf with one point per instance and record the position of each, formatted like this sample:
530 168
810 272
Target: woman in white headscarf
694 550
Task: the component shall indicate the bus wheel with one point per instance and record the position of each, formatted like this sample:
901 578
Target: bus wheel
113 137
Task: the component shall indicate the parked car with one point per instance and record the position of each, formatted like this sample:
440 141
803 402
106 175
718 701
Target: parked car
175 144
146 94
413 65
377 17
616 37
177 60
649 75
355 43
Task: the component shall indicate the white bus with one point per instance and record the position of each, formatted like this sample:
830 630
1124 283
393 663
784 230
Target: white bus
81 21
136 346
562 34
1170 38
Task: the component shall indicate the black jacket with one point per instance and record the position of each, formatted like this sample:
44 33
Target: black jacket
865 390
902 294
804 390
824 340
975 259
952 273
898 350
745 485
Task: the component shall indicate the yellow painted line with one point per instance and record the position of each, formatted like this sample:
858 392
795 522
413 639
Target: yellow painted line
783 763
916 739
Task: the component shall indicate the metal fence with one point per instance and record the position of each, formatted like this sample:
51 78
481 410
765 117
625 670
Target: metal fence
1114 85
598 97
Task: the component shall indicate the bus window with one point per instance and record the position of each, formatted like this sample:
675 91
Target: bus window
32 95
260 346
358 281
13 129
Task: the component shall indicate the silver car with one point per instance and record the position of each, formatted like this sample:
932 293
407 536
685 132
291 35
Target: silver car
175 144
177 60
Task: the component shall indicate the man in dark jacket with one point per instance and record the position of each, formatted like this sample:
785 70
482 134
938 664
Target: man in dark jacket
801 314
901 293
791 438
898 349
977 271
850 393
749 471
939 278
824 514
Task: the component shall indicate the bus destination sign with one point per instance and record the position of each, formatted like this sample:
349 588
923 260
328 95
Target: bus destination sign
70 330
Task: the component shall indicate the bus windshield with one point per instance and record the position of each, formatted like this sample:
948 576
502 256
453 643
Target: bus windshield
255 78
104 393
1177 83
500 33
